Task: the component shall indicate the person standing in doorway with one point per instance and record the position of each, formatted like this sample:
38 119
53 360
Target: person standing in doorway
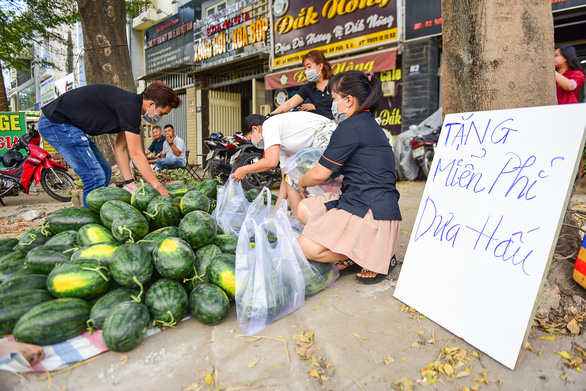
99 109
173 154
569 77
156 146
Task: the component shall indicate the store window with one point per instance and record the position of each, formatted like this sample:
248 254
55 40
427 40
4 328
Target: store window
215 8
26 98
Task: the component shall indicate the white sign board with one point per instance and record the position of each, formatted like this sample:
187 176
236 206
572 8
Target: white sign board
488 222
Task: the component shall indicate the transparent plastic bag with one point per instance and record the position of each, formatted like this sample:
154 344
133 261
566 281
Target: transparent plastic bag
269 275
297 165
231 207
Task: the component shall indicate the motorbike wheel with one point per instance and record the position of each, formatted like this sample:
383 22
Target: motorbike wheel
57 183
257 180
427 160
222 177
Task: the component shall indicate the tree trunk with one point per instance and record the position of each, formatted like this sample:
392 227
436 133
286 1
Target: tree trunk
107 58
3 96
497 55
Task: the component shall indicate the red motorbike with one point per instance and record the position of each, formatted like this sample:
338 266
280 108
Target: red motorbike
20 172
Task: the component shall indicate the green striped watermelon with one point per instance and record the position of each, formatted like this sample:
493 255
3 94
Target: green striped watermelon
11 263
8 243
162 212
130 226
17 303
177 190
167 302
150 241
194 200
83 278
99 252
197 228
97 197
142 196
112 209
209 304
209 187
222 273
105 304
43 259
23 282
52 321
125 326
174 259
131 266
93 234
72 218
65 238
33 238
226 243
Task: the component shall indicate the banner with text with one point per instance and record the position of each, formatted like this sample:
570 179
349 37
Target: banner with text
12 128
169 44
333 26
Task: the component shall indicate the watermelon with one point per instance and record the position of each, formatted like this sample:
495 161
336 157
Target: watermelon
8 243
150 241
209 187
52 321
23 282
194 200
203 258
131 266
99 252
112 209
33 238
11 263
142 196
226 243
83 278
209 304
318 276
65 238
177 190
197 228
16 304
72 218
162 212
222 273
97 197
105 304
252 194
125 326
173 258
130 226
167 302
93 234
44 259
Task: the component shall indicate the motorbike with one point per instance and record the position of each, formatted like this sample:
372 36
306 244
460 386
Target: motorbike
20 172
424 149
226 154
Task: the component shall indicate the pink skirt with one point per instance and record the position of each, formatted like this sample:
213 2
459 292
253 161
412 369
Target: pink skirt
368 242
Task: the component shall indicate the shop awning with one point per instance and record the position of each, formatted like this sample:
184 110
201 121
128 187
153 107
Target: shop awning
372 62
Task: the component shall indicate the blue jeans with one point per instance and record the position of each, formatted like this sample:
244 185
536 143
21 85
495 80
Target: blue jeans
80 152
169 162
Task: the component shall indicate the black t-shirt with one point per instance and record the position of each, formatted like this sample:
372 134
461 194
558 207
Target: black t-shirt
361 152
97 109
322 100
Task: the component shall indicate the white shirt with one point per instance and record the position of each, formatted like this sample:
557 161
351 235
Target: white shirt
293 131
179 143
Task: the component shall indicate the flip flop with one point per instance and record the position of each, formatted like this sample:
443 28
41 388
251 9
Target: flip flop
379 277
352 269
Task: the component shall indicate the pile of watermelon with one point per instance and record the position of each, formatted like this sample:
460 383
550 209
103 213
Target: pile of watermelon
124 263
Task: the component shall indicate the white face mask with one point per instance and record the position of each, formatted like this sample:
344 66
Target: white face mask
154 119
339 117
312 75
258 144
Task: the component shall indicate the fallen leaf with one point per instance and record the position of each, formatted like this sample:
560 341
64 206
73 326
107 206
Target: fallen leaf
573 327
462 374
484 374
540 353
316 307
565 355
501 382
404 384
208 379
276 365
563 377
280 336
403 359
252 364
251 339
475 388
448 369
125 360
193 387
420 332
548 337
578 369
313 373
528 346
415 345
356 335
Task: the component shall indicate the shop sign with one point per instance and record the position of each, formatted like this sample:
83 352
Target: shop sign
333 26
557 5
47 90
423 18
169 44
12 127
377 62
242 33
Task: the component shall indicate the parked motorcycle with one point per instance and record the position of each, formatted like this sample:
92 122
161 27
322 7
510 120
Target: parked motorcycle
20 172
424 149
229 153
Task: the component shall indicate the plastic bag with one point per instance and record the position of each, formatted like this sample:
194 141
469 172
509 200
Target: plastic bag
231 207
297 165
269 277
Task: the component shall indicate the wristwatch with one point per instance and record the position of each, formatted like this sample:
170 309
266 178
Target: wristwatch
129 181
170 144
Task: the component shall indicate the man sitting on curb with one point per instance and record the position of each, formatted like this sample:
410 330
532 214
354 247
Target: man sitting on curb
173 154
156 146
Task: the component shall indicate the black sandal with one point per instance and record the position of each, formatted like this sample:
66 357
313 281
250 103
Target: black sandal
379 277
351 267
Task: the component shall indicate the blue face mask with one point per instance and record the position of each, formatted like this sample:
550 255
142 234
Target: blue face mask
154 119
339 117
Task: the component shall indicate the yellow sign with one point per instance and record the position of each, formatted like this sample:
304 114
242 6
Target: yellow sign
339 47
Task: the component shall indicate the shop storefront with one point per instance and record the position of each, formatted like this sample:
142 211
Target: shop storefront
231 58
352 35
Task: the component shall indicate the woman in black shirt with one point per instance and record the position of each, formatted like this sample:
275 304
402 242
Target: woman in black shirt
362 223
317 71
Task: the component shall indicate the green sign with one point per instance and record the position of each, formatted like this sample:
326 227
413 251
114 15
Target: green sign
12 127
